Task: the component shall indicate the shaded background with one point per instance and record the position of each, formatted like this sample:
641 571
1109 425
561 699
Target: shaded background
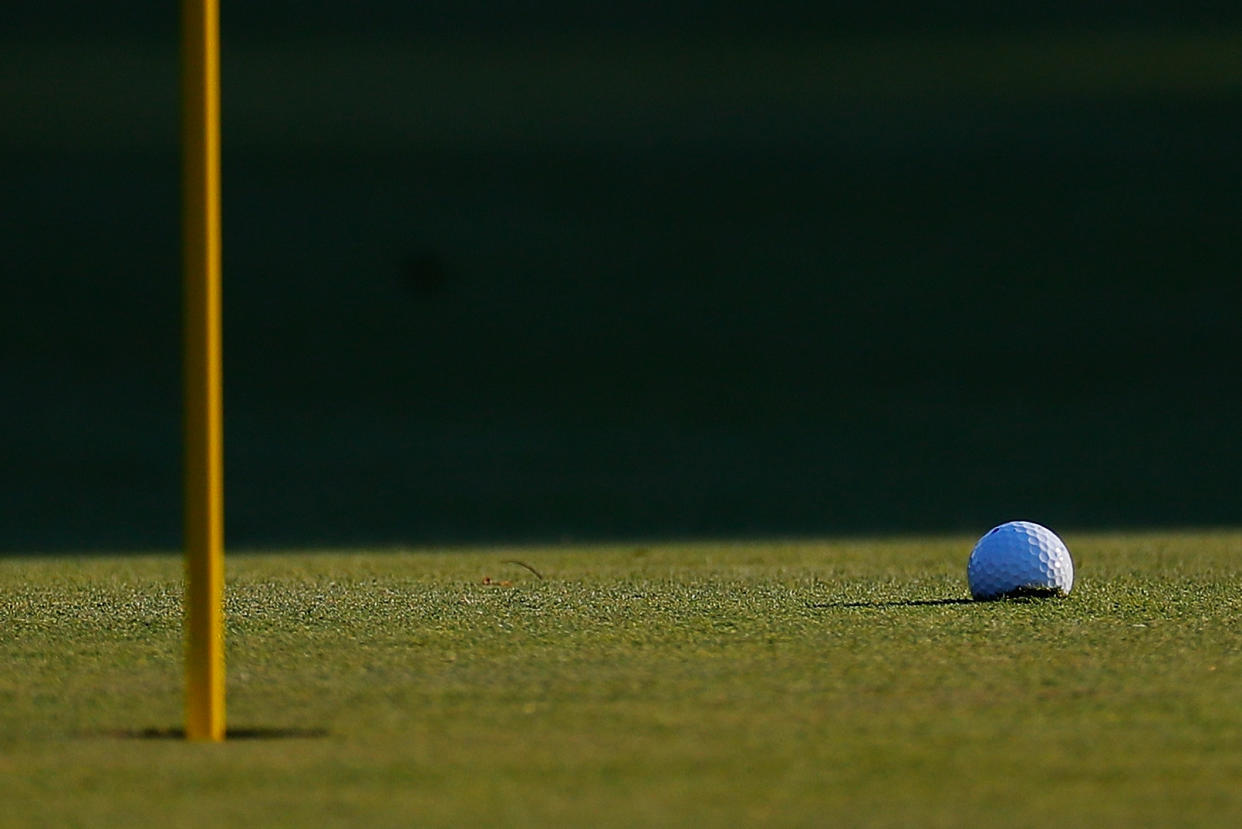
508 271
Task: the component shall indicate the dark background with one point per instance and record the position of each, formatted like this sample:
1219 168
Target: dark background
512 271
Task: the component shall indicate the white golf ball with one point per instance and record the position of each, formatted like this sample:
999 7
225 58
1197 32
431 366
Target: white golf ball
1019 558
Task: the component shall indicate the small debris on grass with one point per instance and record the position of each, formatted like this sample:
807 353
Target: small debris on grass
538 575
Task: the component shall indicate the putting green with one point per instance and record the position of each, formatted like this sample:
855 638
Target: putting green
793 683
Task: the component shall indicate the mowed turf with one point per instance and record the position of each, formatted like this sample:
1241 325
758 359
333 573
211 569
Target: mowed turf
787 683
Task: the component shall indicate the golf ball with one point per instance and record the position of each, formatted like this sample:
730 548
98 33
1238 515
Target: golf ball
1019 558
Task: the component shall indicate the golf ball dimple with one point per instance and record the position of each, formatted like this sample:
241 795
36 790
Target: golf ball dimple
1020 558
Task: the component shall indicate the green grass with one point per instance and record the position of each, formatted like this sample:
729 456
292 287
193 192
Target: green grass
785 683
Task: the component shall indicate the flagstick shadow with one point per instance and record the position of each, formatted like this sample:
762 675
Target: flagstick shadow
230 734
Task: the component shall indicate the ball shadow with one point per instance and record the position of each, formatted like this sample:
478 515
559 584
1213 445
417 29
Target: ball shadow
894 603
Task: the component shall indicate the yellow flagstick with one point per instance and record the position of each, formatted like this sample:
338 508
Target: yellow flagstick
204 490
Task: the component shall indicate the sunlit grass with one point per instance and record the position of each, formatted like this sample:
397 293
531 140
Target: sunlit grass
845 682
